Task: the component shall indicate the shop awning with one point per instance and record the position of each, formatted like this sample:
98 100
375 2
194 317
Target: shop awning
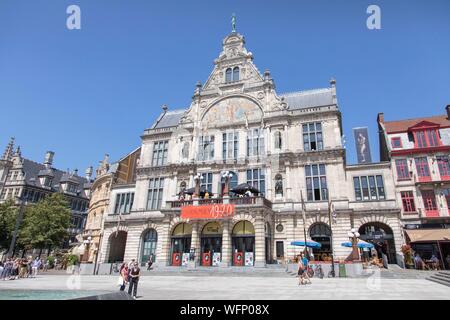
427 235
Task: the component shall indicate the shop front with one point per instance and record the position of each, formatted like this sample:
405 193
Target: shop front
243 244
382 237
431 242
180 244
211 244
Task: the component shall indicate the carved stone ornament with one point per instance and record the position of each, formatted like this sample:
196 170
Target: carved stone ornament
260 95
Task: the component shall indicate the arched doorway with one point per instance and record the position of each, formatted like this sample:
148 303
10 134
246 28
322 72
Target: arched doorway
117 244
211 244
243 243
321 232
180 244
149 241
268 241
382 237
233 183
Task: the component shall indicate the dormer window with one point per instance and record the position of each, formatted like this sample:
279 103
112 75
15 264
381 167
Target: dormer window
48 181
71 187
396 142
232 75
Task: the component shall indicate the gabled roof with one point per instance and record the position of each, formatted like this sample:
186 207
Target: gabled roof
309 98
405 125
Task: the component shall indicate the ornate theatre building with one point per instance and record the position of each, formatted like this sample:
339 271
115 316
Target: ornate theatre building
185 207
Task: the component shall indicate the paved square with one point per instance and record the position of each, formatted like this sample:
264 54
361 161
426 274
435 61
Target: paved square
236 287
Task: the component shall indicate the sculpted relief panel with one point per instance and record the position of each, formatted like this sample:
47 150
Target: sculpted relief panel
233 109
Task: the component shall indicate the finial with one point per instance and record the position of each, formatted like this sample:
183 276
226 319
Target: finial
165 107
7 155
333 82
18 152
199 84
233 23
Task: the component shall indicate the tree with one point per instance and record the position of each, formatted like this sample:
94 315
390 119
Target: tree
45 223
8 216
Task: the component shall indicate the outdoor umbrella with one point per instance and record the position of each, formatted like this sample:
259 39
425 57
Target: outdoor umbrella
309 244
191 191
243 188
361 244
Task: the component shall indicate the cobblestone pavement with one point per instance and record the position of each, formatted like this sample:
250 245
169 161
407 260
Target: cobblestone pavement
237 287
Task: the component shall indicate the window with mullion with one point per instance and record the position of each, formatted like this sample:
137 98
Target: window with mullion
312 136
255 142
160 151
155 193
230 145
444 168
257 179
422 167
429 200
206 148
446 193
369 188
206 181
316 182
402 169
408 201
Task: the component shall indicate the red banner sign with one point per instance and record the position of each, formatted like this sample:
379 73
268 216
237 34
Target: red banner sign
213 211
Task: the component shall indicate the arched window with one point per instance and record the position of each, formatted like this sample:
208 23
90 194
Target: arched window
149 241
278 140
182 187
278 185
228 75
236 74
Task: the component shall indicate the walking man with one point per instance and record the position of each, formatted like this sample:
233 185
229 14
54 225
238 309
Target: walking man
134 280
149 262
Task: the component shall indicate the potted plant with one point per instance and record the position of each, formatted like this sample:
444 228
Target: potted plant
408 256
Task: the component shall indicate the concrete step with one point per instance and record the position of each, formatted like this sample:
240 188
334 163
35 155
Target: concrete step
445 274
439 280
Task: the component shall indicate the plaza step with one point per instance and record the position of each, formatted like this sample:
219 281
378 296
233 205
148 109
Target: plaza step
442 277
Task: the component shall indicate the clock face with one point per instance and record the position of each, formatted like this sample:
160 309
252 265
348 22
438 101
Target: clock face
231 110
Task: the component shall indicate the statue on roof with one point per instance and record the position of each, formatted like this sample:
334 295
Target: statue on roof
233 23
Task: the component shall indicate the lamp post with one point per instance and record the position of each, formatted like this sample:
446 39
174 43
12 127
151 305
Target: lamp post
87 244
353 235
226 175
19 219
197 178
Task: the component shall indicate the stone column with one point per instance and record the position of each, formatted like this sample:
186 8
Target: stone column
132 244
163 245
195 243
260 242
287 182
226 244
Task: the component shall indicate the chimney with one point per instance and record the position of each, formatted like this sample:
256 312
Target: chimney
447 108
75 172
49 159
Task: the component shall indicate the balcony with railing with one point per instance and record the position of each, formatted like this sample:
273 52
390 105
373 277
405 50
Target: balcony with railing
238 201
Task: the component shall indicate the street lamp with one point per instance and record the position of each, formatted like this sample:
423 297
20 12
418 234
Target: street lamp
87 244
353 234
226 175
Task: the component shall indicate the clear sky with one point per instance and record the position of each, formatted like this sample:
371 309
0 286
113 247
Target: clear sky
84 93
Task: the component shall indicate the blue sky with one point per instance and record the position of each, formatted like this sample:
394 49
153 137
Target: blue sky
83 93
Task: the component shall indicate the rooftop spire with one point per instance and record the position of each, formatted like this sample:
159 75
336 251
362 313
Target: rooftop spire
7 155
233 23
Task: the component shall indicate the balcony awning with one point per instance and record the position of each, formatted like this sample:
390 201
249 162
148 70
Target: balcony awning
427 235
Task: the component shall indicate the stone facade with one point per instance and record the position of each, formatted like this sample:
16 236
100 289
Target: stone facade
288 146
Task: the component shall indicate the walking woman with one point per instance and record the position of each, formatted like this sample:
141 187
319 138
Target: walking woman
123 276
301 270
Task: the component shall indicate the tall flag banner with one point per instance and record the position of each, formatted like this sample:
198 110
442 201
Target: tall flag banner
362 144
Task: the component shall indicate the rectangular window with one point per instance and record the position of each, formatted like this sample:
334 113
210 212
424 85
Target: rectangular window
402 169
312 136
408 201
396 142
444 168
230 145
155 193
316 182
280 249
369 188
206 148
423 170
206 181
427 138
429 201
160 151
257 179
124 202
14 178
255 142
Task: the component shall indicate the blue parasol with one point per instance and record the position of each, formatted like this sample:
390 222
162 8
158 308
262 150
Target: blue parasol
309 244
361 244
